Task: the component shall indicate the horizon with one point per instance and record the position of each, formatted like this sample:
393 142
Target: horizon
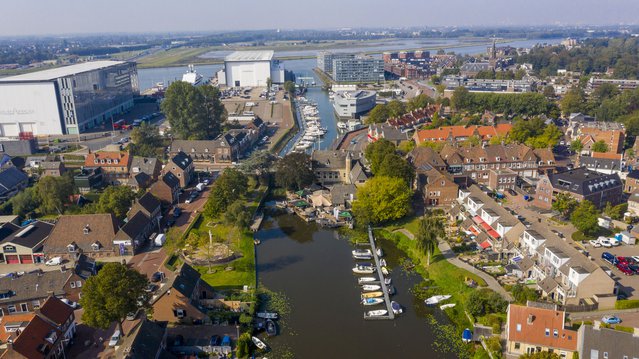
33 17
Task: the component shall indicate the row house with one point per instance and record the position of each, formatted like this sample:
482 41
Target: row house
208 155
562 273
491 224
613 138
455 134
115 165
581 184
89 234
166 189
414 118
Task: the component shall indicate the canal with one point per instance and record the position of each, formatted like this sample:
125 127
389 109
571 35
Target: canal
312 267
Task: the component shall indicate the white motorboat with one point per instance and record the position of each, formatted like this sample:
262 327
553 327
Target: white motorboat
376 313
258 343
363 269
372 301
302 146
191 76
380 252
436 299
364 280
267 315
371 287
397 308
362 252
446 306
385 271
342 125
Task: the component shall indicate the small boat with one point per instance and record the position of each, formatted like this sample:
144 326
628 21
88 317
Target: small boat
391 290
436 299
258 343
364 280
359 269
376 313
385 271
362 252
267 315
271 328
380 252
388 280
362 256
382 262
371 287
256 241
372 301
467 336
397 309
372 295
446 306
342 125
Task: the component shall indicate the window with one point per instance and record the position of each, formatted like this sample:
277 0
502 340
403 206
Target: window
555 333
547 332
517 345
519 327
35 304
11 309
9 249
71 248
180 313
72 284
78 283
605 355
24 307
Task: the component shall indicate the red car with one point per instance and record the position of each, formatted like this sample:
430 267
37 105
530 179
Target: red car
625 269
624 260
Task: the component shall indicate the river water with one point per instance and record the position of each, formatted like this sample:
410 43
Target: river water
312 266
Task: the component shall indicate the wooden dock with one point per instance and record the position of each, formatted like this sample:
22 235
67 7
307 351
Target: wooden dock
387 300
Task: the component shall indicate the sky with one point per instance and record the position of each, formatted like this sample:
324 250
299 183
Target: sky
41 17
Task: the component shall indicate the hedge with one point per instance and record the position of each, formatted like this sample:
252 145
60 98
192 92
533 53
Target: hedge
627 304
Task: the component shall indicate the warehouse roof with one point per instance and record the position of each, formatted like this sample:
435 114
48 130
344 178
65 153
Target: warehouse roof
52 74
266 55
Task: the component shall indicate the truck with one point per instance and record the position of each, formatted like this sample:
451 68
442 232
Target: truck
200 187
159 240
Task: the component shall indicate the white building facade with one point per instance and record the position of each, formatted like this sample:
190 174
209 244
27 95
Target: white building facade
250 69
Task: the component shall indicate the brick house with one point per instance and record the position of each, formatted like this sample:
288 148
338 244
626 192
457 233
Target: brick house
52 168
533 329
134 234
437 189
42 335
632 181
580 183
24 245
89 234
181 165
182 302
208 154
115 165
167 189
454 134
147 204
502 179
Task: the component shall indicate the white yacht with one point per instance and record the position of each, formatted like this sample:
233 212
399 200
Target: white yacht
191 76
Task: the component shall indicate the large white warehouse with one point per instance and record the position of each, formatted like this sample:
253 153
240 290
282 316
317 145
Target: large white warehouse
250 69
66 100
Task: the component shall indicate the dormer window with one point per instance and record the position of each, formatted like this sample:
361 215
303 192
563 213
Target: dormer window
192 149
102 161
116 161
498 159
96 161
95 246
86 229
71 247
206 150
109 161
482 159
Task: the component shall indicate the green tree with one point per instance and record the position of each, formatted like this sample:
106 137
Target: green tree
237 215
244 345
377 151
576 146
269 82
615 212
111 294
406 146
195 113
599 146
396 108
549 91
574 101
257 163
229 187
116 200
378 114
461 98
522 293
564 204
25 202
419 101
146 141
289 86
584 217
394 165
382 199
430 229
53 193
294 171
485 301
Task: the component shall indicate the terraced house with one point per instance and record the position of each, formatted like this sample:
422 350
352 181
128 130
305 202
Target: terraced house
115 165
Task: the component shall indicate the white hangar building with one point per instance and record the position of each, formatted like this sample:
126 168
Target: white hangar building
250 69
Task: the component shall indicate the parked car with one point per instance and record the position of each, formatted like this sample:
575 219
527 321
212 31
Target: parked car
635 258
558 234
623 260
609 257
132 315
634 268
215 340
615 242
115 338
70 303
605 242
156 277
55 261
611 319
625 269
206 181
170 222
151 288
595 243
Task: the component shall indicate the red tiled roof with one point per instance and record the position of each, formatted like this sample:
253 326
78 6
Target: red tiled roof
107 159
533 323
33 337
54 309
485 244
12 318
442 133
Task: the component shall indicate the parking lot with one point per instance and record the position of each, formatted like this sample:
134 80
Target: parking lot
627 284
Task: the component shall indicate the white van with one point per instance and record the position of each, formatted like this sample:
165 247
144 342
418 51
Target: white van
114 339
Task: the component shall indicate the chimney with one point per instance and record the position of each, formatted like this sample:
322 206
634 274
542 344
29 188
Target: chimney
531 319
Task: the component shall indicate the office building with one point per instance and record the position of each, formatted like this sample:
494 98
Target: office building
352 104
250 68
325 60
66 100
358 69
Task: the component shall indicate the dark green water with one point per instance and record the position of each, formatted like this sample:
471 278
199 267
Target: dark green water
312 267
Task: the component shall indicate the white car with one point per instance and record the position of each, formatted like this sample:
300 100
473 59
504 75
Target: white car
595 243
114 339
615 242
70 303
55 261
605 242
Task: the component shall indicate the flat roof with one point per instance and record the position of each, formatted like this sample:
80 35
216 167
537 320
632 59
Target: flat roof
265 55
52 74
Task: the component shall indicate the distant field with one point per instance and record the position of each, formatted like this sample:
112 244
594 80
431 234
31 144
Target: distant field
176 57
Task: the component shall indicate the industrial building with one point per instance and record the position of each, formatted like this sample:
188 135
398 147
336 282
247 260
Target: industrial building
66 100
358 69
352 104
250 69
